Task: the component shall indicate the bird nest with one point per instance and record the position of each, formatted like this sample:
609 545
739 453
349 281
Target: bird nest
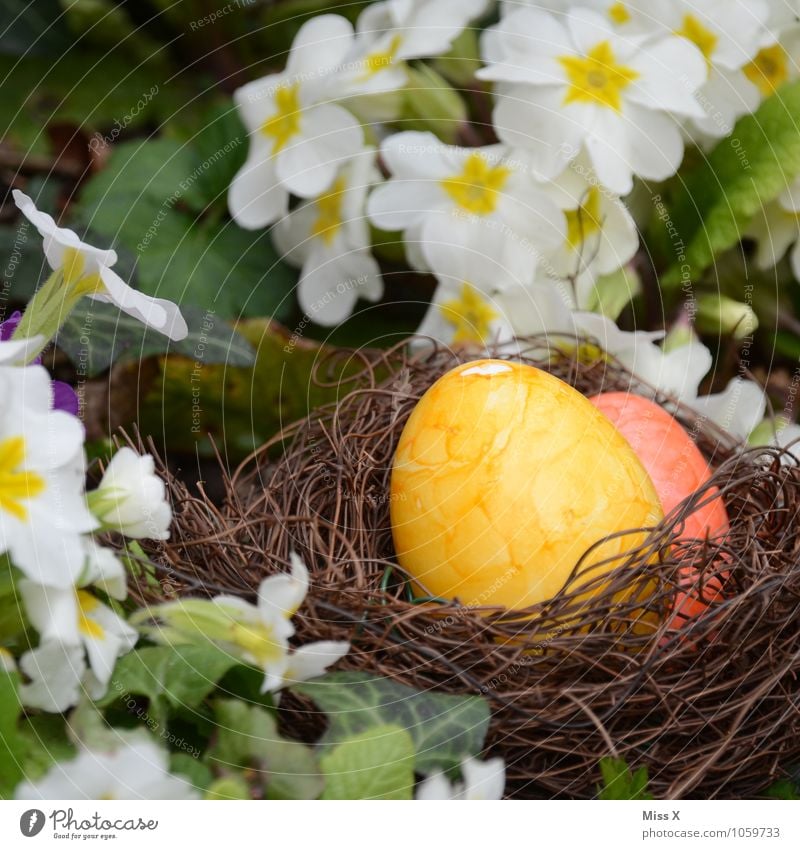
712 708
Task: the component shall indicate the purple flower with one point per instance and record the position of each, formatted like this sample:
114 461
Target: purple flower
64 397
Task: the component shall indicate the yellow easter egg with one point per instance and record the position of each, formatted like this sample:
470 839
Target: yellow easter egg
504 476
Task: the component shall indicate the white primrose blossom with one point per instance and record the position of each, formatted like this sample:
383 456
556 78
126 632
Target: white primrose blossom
328 238
391 32
573 84
87 271
482 781
43 513
729 34
135 768
777 228
258 634
74 617
131 497
471 199
298 137
626 16
601 234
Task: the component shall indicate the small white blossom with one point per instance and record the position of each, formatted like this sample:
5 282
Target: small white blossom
298 137
777 229
131 497
87 271
482 781
43 512
328 237
135 769
574 84
473 200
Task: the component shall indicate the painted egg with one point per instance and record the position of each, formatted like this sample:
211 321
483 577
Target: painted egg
676 467
504 477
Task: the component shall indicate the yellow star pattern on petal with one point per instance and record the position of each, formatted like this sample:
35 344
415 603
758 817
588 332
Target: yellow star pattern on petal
17 484
585 220
597 77
469 314
477 188
329 217
381 59
285 123
769 69
701 36
618 12
86 625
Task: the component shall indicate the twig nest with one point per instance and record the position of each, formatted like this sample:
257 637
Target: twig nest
710 709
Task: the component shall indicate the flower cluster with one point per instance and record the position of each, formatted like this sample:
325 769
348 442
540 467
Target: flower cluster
528 225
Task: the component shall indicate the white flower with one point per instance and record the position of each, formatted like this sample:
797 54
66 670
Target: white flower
777 59
390 32
74 616
17 352
131 497
328 237
470 199
42 508
728 33
575 84
626 16
87 271
738 409
601 234
483 780
258 634
776 228
136 769
58 677
298 139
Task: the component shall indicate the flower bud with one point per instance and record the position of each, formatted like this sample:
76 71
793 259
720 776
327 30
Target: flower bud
432 104
722 315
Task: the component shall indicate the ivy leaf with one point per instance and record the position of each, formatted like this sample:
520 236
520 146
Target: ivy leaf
376 764
96 335
248 738
12 747
176 676
721 193
620 783
445 729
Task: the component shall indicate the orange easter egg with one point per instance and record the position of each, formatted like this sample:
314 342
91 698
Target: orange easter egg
676 467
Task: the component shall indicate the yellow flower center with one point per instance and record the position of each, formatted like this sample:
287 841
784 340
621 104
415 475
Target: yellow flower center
769 69
86 625
585 220
700 35
329 217
285 123
378 60
597 77
258 641
618 12
469 314
476 189
16 483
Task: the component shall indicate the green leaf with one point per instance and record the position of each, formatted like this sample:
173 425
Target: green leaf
620 783
12 746
376 764
195 770
151 198
719 196
248 738
783 789
177 676
96 335
445 729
